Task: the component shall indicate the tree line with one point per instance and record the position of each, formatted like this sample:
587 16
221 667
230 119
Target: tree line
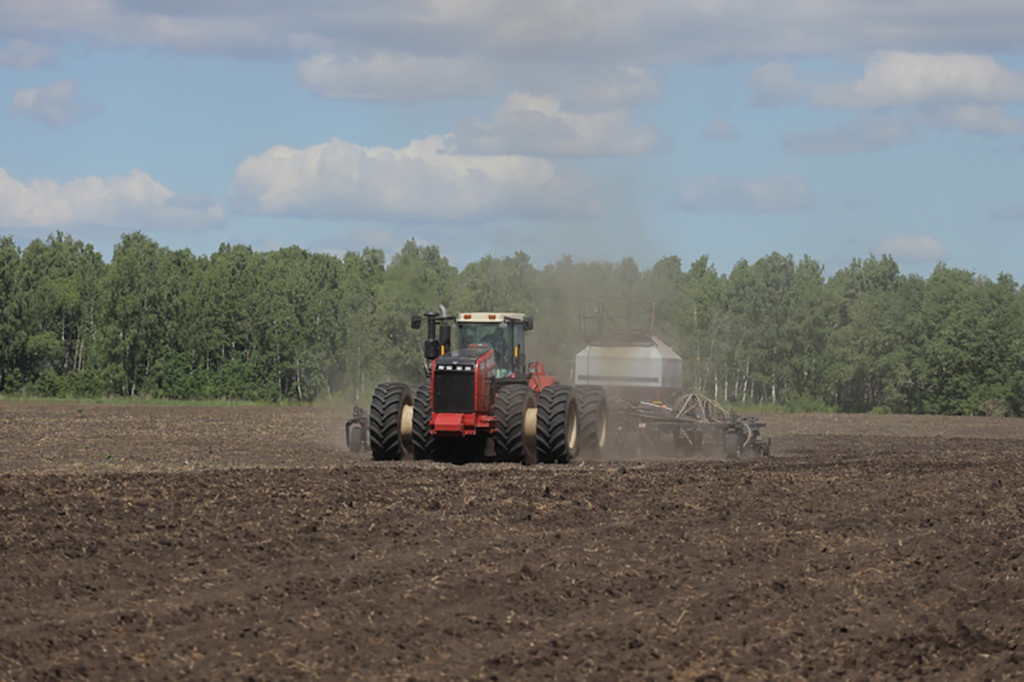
300 326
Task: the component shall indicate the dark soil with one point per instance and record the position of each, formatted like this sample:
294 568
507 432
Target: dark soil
225 543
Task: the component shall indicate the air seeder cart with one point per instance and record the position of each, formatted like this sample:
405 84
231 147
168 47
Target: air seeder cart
643 378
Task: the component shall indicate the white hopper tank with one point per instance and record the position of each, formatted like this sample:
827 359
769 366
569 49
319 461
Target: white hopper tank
640 370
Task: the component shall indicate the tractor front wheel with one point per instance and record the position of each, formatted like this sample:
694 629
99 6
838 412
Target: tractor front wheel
391 422
515 410
424 443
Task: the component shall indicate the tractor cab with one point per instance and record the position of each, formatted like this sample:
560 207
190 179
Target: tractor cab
504 333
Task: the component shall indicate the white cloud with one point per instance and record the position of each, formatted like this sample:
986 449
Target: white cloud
391 76
919 249
903 78
608 32
783 193
776 84
961 91
406 76
23 54
123 202
720 129
868 133
537 126
55 104
426 180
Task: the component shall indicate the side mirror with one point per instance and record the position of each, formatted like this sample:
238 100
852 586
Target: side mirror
528 323
416 321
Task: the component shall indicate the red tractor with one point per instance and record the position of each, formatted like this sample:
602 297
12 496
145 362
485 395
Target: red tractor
484 401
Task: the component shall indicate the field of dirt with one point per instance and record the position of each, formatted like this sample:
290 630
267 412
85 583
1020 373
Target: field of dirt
163 542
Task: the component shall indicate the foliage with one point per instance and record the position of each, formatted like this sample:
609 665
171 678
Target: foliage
291 325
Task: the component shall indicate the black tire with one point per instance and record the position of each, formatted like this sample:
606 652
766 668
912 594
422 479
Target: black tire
424 443
390 407
355 438
593 420
557 425
731 444
513 441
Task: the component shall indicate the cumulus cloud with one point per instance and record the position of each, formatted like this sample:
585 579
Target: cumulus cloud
720 129
960 91
869 133
903 78
783 193
426 180
603 31
775 84
919 249
391 76
55 104
537 126
122 202
23 54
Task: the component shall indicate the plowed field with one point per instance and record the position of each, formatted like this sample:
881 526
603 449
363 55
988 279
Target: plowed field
226 543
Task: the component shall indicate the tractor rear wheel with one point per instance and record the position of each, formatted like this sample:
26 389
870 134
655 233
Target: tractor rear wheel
515 410
593 420
424 443
391 417
557 425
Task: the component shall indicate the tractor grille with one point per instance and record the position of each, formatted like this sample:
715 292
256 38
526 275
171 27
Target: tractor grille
453 391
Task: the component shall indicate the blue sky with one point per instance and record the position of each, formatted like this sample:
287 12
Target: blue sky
600 129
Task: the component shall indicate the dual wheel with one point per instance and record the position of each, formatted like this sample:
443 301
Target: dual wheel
400 422
554 426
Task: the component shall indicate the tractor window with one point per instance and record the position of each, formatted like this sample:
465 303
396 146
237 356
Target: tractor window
496 336
518 361
472 334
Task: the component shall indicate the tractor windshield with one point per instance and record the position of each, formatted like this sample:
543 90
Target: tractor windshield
496 336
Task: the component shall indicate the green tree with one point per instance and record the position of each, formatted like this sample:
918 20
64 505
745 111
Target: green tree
418 279
136 311
11 331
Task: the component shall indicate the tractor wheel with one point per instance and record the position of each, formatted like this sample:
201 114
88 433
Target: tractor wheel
515 410
732 443
424 443
391 418
593 420
355 438
557 425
